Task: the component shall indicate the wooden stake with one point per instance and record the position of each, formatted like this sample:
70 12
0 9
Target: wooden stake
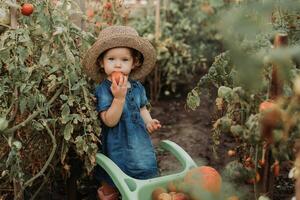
13 16
157 20
276 88
297 166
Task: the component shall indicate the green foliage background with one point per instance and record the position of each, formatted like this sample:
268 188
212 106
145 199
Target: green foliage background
188 39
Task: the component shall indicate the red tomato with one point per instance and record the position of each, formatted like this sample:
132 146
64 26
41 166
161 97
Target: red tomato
108 6
231 153
90 13
27 9
116 76
266 105
205 177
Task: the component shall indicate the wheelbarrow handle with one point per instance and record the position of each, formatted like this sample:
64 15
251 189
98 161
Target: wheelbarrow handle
116 174
182 156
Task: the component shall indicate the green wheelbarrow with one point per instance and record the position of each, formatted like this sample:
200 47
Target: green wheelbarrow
135 189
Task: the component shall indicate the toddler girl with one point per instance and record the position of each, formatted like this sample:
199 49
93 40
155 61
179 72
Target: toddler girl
121 103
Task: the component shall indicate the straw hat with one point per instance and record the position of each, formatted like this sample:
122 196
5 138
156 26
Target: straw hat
119 36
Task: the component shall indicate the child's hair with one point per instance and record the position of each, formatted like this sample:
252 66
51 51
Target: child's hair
138 58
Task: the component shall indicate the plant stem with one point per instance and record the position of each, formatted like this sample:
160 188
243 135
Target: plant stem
27 183
34 114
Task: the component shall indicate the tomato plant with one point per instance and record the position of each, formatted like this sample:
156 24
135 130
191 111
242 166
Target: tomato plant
243 78
46 107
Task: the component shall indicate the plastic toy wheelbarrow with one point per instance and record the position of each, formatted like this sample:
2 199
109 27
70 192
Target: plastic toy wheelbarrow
136 189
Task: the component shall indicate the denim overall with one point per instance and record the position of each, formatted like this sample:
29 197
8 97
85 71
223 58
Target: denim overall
128 143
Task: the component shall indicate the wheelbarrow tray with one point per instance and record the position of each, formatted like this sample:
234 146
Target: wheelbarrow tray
136 189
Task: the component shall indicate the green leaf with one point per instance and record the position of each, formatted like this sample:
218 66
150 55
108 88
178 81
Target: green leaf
68 131
66 110
31 102
37 125
63 97
4 54
225 93
23 103
69 54
17 145
80 145
193 99
76 86
236 130
216 3
3 124
44 59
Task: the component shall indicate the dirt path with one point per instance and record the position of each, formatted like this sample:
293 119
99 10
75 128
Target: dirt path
189 129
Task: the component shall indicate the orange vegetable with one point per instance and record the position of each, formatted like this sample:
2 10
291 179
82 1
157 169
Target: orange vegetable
233 198
266 105
116 75
205 177
90 13
179 196
172 186
269 121
231 153
27 9
164 196
157 191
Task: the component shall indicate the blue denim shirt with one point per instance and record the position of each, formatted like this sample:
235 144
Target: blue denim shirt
128 143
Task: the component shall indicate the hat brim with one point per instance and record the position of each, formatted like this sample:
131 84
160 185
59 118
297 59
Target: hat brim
102 44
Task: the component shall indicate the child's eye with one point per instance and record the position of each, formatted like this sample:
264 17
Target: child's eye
110 58
125 59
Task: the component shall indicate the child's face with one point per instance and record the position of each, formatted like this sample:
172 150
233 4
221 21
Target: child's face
118 59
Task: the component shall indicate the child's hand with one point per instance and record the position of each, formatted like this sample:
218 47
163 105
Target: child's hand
153 125
119 90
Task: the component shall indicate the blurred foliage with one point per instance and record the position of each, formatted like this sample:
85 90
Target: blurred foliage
188 39
242 76
101 14
46 106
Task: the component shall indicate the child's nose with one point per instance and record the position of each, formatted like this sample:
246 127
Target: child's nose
118 64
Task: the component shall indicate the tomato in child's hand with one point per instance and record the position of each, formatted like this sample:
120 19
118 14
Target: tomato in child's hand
116 75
